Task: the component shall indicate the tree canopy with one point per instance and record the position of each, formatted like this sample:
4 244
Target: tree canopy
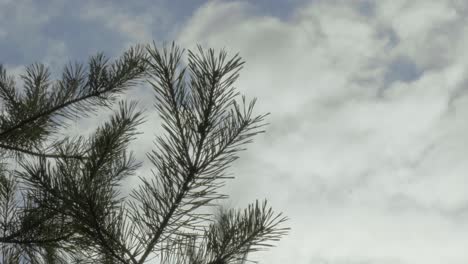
60 196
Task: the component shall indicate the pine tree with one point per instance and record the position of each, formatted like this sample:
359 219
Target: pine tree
59 196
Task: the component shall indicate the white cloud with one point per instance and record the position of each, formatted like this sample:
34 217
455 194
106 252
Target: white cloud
366 151
426 27
368 160
137 27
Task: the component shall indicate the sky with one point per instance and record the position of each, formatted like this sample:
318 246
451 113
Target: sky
366 150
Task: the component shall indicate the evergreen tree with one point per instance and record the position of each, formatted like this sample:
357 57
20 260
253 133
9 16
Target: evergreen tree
59 195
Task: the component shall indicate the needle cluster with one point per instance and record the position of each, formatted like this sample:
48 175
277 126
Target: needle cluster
61 203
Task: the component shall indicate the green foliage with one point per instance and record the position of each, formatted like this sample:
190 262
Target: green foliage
62 205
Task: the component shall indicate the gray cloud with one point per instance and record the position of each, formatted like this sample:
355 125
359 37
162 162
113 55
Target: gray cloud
366 150
363 152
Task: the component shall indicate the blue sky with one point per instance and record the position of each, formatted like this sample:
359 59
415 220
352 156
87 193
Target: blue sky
366 150
32 29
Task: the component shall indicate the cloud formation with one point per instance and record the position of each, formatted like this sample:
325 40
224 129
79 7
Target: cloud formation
366 151
366 148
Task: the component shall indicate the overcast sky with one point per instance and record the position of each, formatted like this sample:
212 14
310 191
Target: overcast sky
367 147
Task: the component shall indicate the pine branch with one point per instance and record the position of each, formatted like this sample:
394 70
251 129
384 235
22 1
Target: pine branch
77 181
12 240
41 155
104 238
192 157
237 233
49 112
7 91
76 91
165 221
83 190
